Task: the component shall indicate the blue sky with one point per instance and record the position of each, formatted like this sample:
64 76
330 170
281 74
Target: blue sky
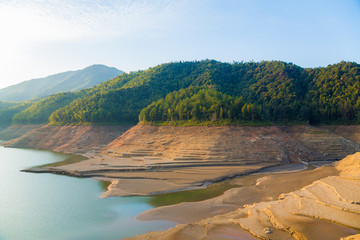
39 38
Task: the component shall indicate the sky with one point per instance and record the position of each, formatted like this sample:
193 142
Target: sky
43 37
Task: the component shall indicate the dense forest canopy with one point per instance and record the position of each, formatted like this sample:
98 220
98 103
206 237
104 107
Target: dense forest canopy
39 112
211 92
196 105
333 93
7 114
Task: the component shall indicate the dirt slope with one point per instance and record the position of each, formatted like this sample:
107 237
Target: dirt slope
244 144
323 143
15 131
68 139
225 144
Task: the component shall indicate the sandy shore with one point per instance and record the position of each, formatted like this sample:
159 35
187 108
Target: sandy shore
323 203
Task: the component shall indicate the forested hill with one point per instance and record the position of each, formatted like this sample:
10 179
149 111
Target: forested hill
61 82
208 91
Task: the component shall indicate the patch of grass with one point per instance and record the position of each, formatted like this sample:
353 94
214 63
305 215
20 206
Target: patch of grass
211 191
71 159
104 185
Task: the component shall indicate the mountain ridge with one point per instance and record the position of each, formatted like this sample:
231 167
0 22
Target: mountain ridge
61 82
246 93
208 92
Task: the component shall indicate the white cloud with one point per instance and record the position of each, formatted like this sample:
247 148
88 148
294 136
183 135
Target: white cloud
60 20
28 26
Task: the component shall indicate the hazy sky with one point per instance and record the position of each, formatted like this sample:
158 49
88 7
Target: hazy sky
43 37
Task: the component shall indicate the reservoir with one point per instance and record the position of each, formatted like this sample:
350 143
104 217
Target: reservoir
47 206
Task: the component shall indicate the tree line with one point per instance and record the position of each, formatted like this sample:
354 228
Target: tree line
211 91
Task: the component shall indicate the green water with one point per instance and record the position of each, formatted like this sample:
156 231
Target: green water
53 207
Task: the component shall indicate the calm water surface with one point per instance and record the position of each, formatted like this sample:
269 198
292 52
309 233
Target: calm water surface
47 206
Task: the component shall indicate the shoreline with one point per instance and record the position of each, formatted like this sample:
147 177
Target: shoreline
273 169
100 174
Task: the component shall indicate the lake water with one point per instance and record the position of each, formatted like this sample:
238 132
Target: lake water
47 206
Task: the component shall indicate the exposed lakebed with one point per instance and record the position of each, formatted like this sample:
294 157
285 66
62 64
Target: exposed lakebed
47 206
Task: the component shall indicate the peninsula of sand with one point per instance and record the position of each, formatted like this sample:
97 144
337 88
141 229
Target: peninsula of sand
149 160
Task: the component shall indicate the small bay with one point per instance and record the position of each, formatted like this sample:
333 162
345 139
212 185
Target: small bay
47 206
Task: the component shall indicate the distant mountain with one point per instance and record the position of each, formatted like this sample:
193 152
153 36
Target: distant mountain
61 82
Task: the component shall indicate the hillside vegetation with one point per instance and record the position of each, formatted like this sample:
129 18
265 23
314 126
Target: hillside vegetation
39 112
7 114
4 105
268 92
211 92
123 99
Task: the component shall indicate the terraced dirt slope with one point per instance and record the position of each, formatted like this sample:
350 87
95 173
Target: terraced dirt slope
222 145
351 132
149 146
326 142
68 139
225 144
152 147
16 131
